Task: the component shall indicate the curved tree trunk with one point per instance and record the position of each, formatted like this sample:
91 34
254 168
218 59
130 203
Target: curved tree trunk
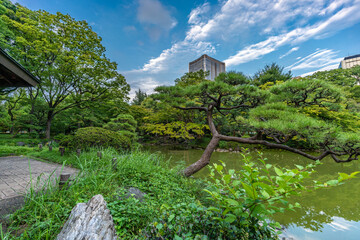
205 158
216 138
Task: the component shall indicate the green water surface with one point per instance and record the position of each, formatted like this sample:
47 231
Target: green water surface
331 213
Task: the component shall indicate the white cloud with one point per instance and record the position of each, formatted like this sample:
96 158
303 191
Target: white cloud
146 84
237 17
329 67
155 18
196 15
342 19
320 59
287 21
294 49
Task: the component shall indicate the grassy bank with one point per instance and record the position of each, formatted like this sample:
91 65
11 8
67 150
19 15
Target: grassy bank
233 205
44 215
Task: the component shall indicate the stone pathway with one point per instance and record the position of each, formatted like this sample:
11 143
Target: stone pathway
16 173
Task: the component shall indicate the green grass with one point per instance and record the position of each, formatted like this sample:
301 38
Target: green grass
14 150
43 215
10 140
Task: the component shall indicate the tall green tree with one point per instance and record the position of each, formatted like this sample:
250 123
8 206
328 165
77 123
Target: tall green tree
270 74
68 59
12 102
191 78
139 97
276 115
7 10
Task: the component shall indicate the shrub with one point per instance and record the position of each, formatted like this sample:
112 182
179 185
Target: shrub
60 137
88 137
124 124
194 221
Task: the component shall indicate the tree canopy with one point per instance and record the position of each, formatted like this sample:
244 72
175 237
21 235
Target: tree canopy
270 74
66 56
288 111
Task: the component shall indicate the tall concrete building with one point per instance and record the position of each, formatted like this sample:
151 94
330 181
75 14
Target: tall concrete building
350 61
206 63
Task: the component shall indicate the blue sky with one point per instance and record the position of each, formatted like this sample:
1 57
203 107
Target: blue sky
154 40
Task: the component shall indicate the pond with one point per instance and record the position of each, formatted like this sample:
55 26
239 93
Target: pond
332 213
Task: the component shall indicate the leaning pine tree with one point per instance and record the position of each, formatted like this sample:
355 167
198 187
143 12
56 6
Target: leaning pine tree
273 116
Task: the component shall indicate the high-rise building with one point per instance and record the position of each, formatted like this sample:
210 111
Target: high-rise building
350 61
206 63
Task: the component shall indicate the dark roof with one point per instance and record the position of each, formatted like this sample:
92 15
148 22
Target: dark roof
12 74
206 56
350 57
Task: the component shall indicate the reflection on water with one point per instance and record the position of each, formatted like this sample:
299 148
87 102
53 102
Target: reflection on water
339 228
331 213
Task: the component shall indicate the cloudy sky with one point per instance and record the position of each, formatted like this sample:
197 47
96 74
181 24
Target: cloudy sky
154 40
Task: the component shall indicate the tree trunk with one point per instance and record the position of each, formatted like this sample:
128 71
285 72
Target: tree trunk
11 120
32 113
48 125
205 158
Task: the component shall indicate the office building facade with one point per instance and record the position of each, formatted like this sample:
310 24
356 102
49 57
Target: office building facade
206 63
350 61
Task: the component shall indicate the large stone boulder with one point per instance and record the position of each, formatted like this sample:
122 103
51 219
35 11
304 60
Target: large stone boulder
136 193
89 221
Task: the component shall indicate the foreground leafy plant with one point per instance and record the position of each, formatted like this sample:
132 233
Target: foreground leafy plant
240 203
249 196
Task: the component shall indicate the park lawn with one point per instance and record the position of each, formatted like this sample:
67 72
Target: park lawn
10 140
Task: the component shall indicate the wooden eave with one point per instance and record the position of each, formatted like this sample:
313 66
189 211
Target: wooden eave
12 74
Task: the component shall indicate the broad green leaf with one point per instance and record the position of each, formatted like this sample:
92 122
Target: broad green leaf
278 171
248 190
230 218
214 209
265 194
299 167
218 168
233 202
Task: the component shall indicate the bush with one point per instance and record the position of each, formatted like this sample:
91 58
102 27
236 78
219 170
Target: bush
88 137
125 124
194 221
60 137
122 122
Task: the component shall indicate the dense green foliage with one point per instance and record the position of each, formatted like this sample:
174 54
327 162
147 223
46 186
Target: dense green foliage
9 144
270 74
85 138
284 114
71 75
45 213
124 124
140 96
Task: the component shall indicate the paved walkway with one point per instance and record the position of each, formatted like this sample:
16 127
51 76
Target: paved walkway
16 173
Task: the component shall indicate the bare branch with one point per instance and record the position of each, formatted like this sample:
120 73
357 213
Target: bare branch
277 146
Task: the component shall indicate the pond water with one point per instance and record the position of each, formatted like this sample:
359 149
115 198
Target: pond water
332 213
